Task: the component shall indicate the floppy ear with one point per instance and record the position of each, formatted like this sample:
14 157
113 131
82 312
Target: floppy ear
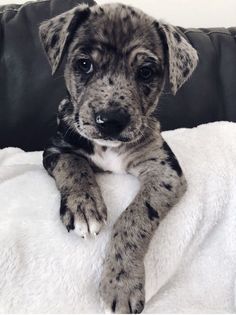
57 32
182 57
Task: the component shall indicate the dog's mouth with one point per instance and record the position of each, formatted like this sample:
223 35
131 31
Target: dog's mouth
92 133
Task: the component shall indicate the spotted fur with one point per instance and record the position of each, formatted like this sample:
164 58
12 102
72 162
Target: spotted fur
118 41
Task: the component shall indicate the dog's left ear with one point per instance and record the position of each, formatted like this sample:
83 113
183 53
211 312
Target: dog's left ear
182 58
56 33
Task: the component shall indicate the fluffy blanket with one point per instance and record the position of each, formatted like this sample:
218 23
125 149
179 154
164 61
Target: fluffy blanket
191 262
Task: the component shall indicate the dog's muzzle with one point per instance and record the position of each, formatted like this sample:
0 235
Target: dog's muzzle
111 123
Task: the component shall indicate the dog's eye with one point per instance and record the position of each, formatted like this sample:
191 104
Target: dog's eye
145 73
84 65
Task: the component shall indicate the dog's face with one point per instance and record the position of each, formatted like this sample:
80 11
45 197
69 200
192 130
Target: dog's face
117 58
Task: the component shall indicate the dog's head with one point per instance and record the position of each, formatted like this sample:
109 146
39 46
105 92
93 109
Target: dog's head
117 61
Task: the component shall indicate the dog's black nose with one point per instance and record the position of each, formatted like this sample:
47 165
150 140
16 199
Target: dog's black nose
113 122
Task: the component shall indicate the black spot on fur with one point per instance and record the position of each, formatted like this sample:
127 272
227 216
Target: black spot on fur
54 40
118 256
163 163
130 308
125 18
115 235
138 286
122 97
121 273
186 72
113 307
111 82
142 235
83 174
130 246
171 159
156 25
152 213
133 13
167 186
63 207
177 37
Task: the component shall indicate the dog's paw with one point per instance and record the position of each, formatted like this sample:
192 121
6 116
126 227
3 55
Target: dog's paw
83 212
122 289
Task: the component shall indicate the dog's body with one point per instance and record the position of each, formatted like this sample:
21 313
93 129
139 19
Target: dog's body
115 75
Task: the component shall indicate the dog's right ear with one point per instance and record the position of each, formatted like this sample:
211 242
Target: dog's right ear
182 58
57 32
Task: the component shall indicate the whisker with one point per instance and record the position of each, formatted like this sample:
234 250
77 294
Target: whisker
69 129
58 77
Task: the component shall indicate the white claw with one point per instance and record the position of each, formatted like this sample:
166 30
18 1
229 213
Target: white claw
81 229
95 227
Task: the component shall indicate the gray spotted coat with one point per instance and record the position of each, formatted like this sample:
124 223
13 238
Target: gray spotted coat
117 58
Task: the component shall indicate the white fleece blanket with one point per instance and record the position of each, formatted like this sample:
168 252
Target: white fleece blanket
191 262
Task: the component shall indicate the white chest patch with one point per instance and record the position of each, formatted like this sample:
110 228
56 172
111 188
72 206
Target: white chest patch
109 160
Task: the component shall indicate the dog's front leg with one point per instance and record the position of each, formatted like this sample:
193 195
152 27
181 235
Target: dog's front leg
82 206
123 277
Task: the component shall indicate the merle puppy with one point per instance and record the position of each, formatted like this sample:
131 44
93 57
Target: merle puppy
118 59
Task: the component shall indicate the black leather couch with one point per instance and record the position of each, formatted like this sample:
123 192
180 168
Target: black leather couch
29 96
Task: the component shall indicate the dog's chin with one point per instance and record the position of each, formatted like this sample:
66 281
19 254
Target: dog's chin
114 142
110 142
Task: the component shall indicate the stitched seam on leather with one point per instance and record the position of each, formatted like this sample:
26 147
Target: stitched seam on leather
221 86
222 33
209 33
23 6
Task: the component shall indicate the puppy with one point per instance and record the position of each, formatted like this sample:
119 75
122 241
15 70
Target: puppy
118 59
